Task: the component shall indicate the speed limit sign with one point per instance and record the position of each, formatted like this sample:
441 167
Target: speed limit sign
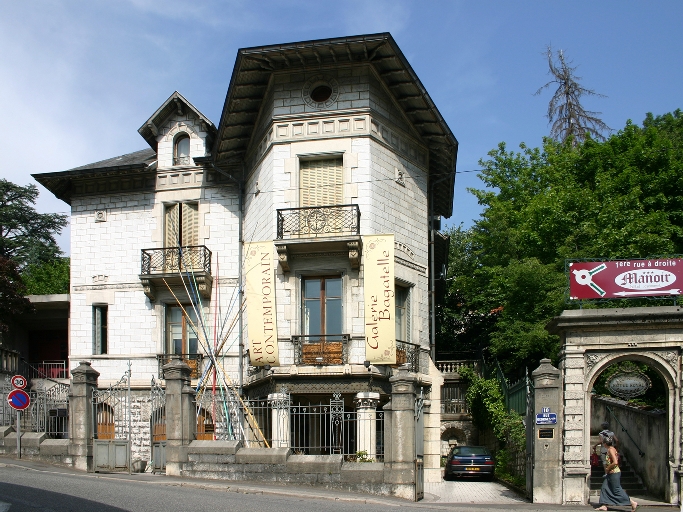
18 382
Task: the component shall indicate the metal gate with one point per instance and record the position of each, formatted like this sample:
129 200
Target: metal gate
49 410
529 424
7 414
419 447
157 427
112 426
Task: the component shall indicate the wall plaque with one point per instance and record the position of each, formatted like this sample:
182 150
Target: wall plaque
625 384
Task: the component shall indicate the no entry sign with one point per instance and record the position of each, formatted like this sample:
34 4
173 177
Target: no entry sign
621 279
18 399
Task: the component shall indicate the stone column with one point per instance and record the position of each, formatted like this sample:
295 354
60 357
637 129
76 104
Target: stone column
547 478
399 460
181 416
279 407
81 415
366 422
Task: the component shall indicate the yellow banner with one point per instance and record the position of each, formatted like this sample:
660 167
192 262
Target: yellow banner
259 270
380 307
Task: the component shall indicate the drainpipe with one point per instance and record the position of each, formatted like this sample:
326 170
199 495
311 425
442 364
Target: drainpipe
240 242
432 270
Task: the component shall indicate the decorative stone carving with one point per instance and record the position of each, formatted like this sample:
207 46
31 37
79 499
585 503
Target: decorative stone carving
670 357
283 257
204 285
149 289
592 360
354 254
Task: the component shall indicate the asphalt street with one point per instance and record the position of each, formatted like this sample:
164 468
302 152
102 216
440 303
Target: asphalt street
27 486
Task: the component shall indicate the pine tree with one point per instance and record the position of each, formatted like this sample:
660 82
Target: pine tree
566 114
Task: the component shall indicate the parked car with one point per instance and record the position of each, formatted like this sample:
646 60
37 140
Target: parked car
469 460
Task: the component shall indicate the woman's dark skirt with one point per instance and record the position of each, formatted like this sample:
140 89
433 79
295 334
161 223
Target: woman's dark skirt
612 493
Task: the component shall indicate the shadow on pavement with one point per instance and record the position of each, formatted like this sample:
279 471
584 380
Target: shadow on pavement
29 499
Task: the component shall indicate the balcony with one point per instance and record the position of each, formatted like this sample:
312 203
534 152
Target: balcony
321 350
194 361
172 265
182 160
54 369
408 353
318 229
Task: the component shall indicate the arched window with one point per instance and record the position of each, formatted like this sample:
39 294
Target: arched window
181 154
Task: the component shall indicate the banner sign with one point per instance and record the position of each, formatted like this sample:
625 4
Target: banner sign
621 279
380 308
259 271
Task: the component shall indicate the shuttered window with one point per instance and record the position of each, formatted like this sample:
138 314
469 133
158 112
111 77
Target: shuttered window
321 182
182 225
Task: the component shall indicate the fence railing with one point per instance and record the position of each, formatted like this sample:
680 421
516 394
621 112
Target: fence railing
326 428
321 349
53 369
194 361
164 260
318 221
456 365
453 398
408 353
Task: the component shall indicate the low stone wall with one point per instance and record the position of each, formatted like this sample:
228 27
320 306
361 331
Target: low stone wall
35 445
650 431
228 460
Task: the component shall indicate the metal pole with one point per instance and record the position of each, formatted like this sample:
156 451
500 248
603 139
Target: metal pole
18 434
130 425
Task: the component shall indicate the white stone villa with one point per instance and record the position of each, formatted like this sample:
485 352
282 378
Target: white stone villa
320 145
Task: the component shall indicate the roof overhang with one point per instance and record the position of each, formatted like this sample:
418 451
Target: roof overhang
255 66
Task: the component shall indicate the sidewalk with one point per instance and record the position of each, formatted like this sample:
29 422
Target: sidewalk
431 502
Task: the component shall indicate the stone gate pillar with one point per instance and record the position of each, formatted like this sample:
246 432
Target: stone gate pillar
399 434
279 407
81 415
366 422
181 416
547 431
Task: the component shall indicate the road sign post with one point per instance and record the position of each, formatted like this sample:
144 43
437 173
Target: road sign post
18 434
19 400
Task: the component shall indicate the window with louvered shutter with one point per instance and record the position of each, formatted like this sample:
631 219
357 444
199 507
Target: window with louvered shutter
172 225
321 182
189 224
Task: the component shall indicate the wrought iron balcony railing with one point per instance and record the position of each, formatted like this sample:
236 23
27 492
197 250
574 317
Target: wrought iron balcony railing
408 353
321 349
195 258
182 160
318 221
194 361
56 369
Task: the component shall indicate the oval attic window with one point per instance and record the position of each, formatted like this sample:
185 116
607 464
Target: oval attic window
321 93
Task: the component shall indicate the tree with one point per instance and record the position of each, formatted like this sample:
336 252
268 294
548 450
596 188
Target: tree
12 300
569 119
621 198
26 236
47 278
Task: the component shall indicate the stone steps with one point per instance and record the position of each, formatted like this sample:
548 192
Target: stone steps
630 482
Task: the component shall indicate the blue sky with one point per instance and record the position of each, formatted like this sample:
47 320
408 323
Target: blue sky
80 77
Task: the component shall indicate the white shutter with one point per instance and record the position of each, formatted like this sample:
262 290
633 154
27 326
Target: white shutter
321 182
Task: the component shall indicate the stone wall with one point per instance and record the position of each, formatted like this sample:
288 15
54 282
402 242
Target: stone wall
649 429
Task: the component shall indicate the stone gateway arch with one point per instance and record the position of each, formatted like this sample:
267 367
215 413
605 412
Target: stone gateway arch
592 340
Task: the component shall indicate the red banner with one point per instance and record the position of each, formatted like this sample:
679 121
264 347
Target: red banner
622 279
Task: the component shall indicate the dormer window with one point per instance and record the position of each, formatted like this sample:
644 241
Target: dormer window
181 154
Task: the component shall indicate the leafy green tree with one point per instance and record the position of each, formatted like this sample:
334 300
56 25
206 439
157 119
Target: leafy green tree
621 198
568 117
47 278
26 236
12 291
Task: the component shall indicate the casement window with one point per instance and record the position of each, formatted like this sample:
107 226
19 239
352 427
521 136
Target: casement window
181 225
181 337
181 150
99 329
322 307
321 182
402 300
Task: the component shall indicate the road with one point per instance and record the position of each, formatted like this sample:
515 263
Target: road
31 487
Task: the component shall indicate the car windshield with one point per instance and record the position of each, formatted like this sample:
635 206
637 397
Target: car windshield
469 450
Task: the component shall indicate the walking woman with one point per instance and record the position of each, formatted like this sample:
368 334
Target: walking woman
612 492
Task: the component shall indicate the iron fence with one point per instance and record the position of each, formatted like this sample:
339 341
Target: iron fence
7 414
321 349
325 428
49 411
112 411
318 221
453 398
52 369
408 353
195 258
